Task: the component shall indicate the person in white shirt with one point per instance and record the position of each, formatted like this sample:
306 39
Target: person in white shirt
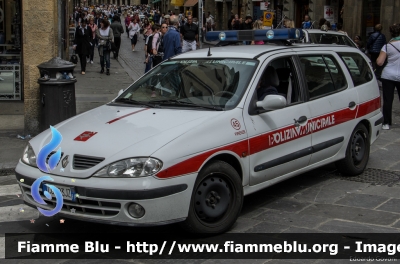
104 34
390 77
134 29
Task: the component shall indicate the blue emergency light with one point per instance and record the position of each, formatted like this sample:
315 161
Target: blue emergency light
256 35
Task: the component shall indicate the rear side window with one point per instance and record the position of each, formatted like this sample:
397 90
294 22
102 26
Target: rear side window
358 68
323 75
324 38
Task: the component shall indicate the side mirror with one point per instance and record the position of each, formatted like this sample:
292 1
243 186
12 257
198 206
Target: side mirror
120 92
272 102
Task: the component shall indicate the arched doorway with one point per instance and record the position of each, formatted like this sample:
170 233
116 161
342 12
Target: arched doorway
301 9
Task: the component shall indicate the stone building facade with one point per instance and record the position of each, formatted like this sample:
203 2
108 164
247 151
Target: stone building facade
358 17
361 16
222 10
38 32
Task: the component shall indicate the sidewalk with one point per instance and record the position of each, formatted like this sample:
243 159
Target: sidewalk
92 90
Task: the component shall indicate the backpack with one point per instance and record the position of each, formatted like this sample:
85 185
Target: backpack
161 46
149 41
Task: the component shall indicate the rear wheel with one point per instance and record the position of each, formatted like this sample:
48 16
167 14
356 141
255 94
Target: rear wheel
217 199
357 153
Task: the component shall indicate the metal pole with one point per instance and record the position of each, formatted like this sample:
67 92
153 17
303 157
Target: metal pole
60 23
200 23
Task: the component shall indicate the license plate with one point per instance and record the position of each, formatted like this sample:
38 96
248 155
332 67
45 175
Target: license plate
68 193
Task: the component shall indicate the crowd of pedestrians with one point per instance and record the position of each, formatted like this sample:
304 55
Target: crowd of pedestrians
385 59
97 28
165 34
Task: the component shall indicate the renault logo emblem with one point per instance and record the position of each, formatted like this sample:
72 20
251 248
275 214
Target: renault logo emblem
65 162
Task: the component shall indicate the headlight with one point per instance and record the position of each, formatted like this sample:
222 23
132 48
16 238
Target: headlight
222 36
297 33
270 34
133 167
29 156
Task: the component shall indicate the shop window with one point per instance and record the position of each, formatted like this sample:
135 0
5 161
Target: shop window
10 50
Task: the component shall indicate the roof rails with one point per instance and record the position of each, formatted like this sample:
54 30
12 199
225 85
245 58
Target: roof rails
274 42
284 36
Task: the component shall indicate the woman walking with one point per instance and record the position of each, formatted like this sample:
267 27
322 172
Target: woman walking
127 22
390 74
94 27
134 28
147 28
118 30
82 43
104 34
148 47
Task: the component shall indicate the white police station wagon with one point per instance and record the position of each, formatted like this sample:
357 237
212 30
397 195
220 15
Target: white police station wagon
187 141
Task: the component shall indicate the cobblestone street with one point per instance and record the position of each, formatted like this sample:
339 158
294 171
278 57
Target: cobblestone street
132 61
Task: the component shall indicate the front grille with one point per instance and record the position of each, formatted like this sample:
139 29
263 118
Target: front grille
85 162
82 205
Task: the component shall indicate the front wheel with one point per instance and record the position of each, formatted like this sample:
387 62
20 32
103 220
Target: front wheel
357 153
217 199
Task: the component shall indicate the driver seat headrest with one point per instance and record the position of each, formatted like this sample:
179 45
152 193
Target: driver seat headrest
270 77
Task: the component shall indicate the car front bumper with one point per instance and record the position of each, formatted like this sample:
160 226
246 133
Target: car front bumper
106 200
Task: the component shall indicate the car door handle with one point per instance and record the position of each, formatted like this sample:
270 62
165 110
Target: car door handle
352 104
301 119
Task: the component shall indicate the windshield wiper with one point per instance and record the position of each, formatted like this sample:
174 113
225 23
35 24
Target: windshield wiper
177 102
134 102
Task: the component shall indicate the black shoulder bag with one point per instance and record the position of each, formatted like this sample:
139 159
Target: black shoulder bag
110 46
74 58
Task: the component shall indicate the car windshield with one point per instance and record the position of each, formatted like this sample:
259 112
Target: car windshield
217 84
323 38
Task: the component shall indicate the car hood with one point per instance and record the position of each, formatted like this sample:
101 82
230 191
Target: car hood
111 133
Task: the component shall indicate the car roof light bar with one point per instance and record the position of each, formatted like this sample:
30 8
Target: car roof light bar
255 35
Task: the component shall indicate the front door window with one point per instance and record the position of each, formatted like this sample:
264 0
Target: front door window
279 140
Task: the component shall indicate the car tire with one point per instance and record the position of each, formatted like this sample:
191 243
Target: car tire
357 153
216 201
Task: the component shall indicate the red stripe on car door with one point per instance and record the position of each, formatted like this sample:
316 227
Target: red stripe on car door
262 142
369 106
193 164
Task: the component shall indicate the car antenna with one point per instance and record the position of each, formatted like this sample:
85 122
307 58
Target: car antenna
209 51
